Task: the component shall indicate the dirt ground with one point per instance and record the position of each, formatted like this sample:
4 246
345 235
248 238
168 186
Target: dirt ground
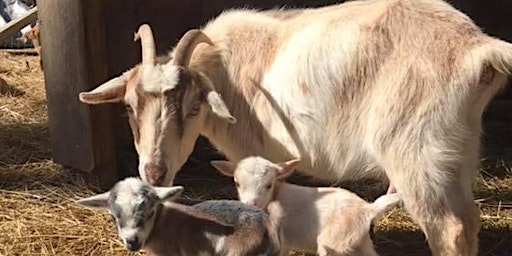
38 216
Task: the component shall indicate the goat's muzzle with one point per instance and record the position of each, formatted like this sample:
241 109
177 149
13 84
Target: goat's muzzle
155 173
133 244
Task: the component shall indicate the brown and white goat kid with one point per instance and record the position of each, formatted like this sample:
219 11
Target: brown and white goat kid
377 87
326 220
146 218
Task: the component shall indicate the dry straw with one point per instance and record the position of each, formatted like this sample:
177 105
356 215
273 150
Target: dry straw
37 211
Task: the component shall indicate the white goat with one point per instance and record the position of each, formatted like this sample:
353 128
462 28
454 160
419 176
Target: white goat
376 87
146 218
327 221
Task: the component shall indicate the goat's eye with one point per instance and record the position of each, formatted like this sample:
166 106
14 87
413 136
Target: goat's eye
129 108
139 223
195 109
269 186
237 184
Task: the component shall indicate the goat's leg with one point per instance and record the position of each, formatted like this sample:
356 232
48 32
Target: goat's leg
366 248
443 206
346 239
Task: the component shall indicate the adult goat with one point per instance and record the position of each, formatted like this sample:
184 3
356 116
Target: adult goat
394 87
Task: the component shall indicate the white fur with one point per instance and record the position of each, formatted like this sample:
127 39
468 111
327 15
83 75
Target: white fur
160 78
315 218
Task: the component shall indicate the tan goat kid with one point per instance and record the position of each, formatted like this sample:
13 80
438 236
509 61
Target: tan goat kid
327 221
377 87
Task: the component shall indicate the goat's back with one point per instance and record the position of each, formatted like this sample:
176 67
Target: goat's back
253 233
353 78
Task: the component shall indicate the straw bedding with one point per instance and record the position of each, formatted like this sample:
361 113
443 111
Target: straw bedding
38 215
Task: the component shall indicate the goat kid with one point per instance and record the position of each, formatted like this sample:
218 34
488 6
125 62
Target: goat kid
147 218
327 221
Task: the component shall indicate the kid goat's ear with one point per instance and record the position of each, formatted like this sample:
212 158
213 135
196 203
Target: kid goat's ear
168 193
287 168
97 201
225 167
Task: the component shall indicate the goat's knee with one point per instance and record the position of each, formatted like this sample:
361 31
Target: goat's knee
455 235
451 227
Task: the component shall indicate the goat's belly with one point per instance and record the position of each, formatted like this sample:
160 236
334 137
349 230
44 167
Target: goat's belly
334 168
306 242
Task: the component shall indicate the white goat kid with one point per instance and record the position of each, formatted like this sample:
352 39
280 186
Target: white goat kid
147 218
327 221
377 87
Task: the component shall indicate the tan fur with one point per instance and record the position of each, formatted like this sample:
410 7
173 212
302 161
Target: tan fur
181 230
327 221
364 88
34 36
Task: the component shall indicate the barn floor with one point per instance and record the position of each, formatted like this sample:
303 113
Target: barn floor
38 216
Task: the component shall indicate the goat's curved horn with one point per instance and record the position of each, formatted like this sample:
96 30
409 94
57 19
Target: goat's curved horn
187 44
148 44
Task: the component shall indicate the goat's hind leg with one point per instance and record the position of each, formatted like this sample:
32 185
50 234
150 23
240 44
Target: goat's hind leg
439 198
346 239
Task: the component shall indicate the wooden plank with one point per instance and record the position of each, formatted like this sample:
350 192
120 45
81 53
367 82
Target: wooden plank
13 26
73 41
28 51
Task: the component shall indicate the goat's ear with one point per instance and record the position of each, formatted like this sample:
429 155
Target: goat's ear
287 168
219 107
97 201
168 193
111 91
225 167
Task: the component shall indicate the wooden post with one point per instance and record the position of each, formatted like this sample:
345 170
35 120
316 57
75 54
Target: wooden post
74 50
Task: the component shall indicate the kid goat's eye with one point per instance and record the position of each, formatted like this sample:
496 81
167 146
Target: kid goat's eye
269 186
140 223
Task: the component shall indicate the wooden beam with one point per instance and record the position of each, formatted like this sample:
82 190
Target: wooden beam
27 51
74 56
16 25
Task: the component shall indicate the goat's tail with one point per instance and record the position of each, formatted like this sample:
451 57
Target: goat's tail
276 215
498 54
384 203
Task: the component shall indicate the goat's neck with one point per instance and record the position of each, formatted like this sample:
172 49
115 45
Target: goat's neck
247 136
278 186
284 191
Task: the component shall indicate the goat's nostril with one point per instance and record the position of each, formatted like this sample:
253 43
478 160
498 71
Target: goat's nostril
159 180
155 178
133 244
155 173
